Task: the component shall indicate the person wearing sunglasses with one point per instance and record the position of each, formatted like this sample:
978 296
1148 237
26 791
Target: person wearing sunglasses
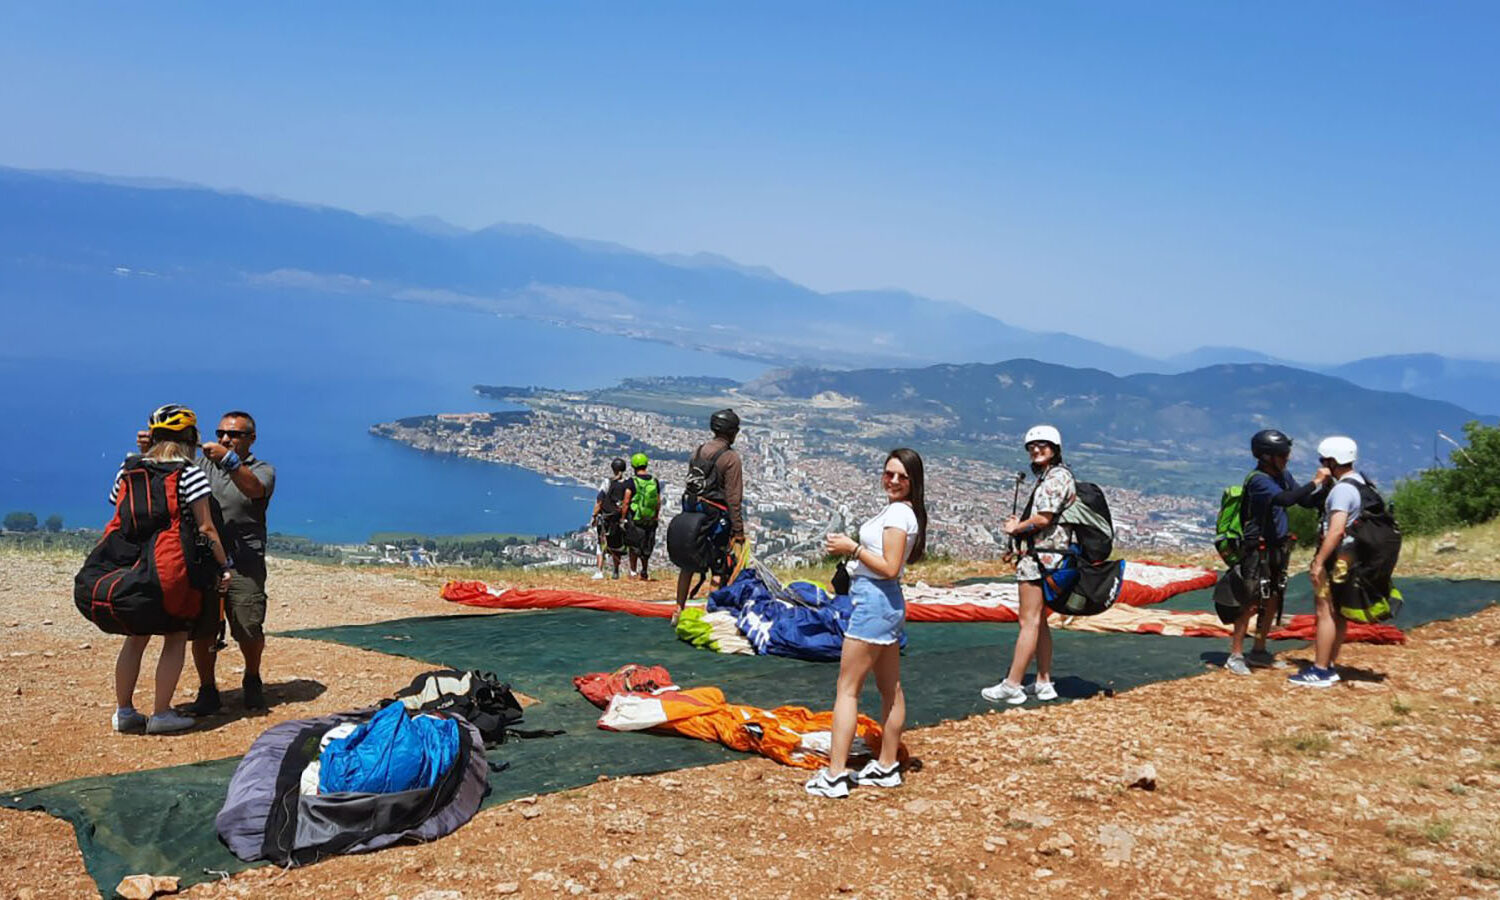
242 484
1046 540
872 639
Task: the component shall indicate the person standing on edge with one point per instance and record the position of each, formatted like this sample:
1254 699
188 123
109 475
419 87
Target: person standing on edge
609 515
1048 539
872 640
643 511
1266 547
1330 565
725 492
242 485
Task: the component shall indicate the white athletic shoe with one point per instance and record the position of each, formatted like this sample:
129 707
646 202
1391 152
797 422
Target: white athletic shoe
1042 690
823 785
128 721
872 773
168 722
597 576
1010 693
1236 664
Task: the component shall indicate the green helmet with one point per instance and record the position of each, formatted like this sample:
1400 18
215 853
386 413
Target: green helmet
639 461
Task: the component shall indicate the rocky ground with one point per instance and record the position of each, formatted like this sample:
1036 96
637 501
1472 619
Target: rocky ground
1387 785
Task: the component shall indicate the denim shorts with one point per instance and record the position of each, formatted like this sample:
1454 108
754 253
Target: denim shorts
879 615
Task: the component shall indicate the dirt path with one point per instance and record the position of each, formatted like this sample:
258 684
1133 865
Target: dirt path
1386 785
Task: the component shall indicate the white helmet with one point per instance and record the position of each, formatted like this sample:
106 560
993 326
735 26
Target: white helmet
1338 448
1043 433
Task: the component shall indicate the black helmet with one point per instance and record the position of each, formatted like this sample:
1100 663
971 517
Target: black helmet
618 465
724 423
1270 442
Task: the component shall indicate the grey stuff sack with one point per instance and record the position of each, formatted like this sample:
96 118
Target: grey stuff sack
265 815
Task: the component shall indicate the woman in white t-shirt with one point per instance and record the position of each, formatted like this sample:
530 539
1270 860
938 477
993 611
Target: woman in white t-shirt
872 640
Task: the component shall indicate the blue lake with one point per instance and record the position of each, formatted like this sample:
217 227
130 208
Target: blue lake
316 371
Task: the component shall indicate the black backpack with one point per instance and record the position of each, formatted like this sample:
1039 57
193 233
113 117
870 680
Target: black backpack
480 697
704 482
1377 548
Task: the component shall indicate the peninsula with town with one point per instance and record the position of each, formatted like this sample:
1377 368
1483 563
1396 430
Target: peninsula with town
808 463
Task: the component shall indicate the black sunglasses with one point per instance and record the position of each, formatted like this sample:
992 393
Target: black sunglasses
222 433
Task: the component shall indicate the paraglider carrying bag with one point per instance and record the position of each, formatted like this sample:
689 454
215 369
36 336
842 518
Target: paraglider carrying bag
479 697
1078 588
1087 581
698 540
1367 594
150 571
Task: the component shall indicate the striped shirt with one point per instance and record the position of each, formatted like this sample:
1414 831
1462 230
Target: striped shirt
192 485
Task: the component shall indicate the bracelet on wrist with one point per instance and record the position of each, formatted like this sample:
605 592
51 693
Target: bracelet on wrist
231 461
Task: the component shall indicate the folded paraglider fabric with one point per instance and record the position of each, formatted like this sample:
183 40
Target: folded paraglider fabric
792 735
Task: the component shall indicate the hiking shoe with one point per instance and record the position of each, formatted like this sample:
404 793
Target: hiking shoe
255 693
872 773
1264 659
825 785
1236 664
168 722
1042 690
1312 676
1010 693
207 703
128 721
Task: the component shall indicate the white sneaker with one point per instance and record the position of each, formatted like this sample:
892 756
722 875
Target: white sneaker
128 721
597 576
1042 690
168 722
822 785
1010 693
1236 664
872 773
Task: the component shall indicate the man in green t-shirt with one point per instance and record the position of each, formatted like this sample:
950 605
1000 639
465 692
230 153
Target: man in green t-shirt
642 512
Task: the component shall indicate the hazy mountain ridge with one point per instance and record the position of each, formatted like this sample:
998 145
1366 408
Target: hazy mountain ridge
1203 416
207 241
703 301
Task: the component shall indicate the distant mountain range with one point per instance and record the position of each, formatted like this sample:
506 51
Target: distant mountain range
202 240
1200 420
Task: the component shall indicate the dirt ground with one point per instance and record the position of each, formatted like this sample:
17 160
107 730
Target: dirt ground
1386 785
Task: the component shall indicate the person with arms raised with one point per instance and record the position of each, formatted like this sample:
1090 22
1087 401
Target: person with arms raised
1330 568
1265 547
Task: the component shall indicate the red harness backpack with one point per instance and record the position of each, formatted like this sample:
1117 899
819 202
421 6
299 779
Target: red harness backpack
149 573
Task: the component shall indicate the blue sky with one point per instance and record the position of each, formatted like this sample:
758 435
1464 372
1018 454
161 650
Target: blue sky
1154 175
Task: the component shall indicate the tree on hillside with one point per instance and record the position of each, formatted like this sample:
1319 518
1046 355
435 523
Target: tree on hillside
54 523
20 521
1473 484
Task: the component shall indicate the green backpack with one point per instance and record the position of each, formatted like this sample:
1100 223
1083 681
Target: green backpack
1229 532
645 499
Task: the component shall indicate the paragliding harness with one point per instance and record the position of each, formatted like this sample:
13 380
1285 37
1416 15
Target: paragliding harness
1367 595
1086 582
1242 584
698 537
150 571
608 525
480 697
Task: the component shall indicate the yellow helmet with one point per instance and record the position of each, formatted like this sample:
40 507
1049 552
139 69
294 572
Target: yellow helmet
172 418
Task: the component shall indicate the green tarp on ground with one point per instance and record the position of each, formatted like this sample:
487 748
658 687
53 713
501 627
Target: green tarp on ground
161 821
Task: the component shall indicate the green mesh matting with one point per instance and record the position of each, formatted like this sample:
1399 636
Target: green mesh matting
161 821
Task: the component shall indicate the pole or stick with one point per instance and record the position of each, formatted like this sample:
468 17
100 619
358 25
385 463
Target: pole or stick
1015 498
